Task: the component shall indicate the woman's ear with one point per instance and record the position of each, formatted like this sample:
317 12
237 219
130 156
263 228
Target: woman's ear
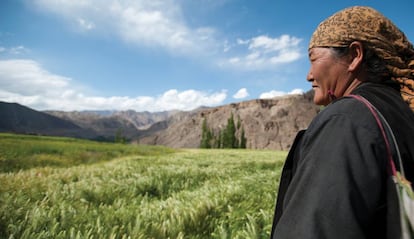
356 53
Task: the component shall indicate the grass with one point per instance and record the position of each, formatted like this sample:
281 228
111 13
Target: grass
131 191
19 152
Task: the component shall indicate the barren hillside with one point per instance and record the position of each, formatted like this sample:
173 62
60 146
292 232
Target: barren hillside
268 123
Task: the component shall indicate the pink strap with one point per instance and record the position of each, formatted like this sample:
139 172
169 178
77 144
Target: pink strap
380 125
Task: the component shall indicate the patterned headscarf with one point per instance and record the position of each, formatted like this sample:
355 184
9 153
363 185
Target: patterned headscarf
366 25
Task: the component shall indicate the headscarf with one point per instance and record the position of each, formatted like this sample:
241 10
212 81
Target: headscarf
367 25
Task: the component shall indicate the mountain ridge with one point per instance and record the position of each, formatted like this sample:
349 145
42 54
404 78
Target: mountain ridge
16 118
268 123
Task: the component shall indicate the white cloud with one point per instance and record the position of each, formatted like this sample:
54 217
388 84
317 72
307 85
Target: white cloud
274 93
26 82
242 93
263 52
155 23
226 46
297 92
17 50
27 77
162 24
85 24
242 42
189 99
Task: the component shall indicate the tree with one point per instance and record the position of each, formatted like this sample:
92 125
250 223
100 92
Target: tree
225 138
217 140
229 135
243 140
119 136
206 136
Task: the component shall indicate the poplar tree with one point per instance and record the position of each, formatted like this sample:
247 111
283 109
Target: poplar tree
229 136
226 138
206 136
243 140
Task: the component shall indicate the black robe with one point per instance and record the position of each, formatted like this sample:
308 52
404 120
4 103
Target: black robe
335 182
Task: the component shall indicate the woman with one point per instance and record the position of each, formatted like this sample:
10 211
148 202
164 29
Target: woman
335 182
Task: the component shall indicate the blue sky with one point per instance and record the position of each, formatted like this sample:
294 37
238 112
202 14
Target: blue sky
156 55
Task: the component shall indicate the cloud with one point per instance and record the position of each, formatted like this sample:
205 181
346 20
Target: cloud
297 92
155 23
242 93
263 52
189 99
274 93
161 24
26 82
242 42
85 24
27 77
17 50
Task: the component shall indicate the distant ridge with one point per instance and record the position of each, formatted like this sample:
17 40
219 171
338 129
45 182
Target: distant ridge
267 123
129 124
16 118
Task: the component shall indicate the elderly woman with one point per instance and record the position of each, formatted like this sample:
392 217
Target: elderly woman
336 182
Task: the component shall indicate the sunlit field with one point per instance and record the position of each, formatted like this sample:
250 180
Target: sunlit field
67 188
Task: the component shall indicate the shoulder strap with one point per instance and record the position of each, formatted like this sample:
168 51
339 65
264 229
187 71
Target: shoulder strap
381 122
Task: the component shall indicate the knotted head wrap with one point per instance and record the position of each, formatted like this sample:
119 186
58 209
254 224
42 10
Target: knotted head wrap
378 33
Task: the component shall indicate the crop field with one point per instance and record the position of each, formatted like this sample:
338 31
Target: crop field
67 188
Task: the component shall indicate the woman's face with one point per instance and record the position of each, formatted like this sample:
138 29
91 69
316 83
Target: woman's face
327 73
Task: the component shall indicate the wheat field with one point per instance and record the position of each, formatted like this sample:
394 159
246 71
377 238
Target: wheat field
66 188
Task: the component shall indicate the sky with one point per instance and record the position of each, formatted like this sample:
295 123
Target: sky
158 55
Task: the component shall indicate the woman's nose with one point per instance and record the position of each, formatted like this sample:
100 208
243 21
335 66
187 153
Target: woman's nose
309 76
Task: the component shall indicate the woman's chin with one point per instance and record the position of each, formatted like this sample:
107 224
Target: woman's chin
319 100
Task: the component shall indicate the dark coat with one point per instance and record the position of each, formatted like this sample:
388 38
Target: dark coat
335 182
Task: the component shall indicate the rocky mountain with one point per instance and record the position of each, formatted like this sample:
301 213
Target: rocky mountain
16 118
128 124
268 123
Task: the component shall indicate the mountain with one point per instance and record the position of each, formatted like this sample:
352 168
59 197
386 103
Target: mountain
268 123
128 124
16 118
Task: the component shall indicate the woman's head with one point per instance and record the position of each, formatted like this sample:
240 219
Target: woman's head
335 71
375 67
386 50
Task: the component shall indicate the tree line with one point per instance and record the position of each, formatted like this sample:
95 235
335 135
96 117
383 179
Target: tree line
225 138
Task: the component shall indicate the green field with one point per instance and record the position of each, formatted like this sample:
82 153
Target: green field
67 188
